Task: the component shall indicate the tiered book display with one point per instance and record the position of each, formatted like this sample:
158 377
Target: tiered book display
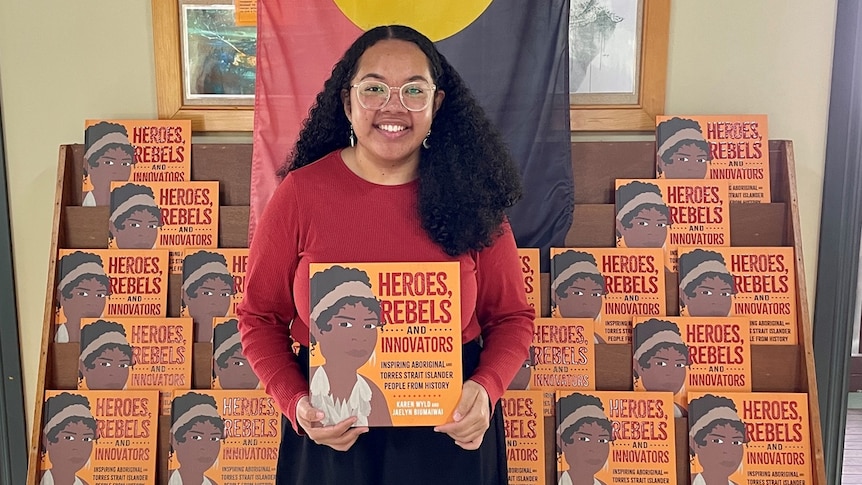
775 368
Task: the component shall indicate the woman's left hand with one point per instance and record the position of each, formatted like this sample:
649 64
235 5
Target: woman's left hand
471 418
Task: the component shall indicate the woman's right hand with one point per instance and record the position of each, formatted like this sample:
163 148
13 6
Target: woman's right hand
339 436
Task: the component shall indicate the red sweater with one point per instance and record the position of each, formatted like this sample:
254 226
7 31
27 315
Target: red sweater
325 213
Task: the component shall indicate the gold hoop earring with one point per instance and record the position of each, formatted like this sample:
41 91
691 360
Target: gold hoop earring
352 137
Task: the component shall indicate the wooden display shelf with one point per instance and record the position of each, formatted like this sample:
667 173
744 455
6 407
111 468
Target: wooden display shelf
784 368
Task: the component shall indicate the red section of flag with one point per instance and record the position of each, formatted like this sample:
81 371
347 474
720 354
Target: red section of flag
298 43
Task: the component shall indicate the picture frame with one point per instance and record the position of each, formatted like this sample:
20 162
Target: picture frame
600 117
639 115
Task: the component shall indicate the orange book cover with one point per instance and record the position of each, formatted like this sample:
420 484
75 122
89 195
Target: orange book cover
608 286
223 437
683 354
164 215
99 437
718 147
531 271
525 436
668 213
136 353
212 286
95 283
749 438
245 12
230 367
615 437
562 356
133 151
397 328
757 282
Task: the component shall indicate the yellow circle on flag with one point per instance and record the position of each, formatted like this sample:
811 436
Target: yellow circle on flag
437 19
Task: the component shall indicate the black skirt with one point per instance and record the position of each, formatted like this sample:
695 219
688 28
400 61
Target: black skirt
403 455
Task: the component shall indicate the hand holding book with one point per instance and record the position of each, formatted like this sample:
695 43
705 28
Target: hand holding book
339 436
471 417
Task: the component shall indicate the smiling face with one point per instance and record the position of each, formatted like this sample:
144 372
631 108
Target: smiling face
665 371
236 374
712 298
588 451
114 165
688 162
648 229
88 300
110 370
583 299
72 449
352 338
201 446
138 231
392 135
722 453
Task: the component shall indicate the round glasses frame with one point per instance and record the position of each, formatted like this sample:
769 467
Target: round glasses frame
360 97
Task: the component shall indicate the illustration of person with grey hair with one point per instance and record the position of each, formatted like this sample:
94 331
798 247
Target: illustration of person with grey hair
578 287
135 218
230 366
207 290
660 358
69 432
643 218
706 287
716 437
682 152
197 431
82 292
344 322
583 438
108 157
106 356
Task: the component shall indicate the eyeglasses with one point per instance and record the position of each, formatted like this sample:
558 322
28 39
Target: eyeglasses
415 96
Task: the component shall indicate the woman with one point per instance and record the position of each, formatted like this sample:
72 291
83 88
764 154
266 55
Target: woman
230 367
682 151
643 217
578 287
706 287
396 162
207 291
82 292
660 359
106 356
345 316
135 218
108 157
197 431
70 431
583 438
716 436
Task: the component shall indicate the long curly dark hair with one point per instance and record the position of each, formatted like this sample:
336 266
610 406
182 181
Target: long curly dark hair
466 178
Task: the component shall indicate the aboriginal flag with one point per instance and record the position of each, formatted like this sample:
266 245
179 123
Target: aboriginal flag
513 54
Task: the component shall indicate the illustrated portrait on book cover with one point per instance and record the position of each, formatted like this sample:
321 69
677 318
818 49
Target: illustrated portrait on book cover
82 292
106 356
197 431
578 288
345 319
660 358
716 437
207 290
584 437
230 367
524 376
69 433
108 157
682 152
643 218
706 287
135 218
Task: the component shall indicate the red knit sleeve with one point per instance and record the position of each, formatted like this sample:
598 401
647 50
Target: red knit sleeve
268 305
504 315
